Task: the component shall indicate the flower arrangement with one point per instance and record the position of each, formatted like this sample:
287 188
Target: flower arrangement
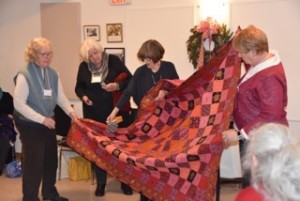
211 33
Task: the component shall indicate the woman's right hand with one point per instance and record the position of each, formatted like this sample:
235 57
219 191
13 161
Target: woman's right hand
229 136
49 122
87 101
112 115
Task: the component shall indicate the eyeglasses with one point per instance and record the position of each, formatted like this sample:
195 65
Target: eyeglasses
46 54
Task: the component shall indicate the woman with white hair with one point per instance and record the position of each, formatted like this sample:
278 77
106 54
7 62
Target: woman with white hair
101 79
273 157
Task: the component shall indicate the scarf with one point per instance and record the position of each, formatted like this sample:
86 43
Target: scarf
103 69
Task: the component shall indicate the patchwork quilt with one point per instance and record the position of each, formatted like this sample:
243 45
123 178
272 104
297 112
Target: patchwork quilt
172 151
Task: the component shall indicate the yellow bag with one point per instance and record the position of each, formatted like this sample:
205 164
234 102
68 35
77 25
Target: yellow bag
79 169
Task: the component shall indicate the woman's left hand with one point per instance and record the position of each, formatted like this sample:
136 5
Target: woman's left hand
161 95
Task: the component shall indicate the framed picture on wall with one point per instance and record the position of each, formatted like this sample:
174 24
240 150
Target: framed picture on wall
91 31
119 51
114 33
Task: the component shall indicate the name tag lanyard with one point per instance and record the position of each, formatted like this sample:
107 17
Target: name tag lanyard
46 92
97 77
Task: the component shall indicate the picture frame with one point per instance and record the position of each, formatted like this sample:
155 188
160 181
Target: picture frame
114 33
118 51
91 31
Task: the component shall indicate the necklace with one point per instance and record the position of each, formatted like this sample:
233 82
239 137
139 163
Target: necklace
153 79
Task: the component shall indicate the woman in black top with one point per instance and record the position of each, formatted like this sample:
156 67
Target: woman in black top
100 79
146 76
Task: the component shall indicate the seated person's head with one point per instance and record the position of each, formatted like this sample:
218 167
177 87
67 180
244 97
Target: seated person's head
273 155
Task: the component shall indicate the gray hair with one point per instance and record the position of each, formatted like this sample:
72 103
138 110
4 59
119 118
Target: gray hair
34 47
277 151
86 46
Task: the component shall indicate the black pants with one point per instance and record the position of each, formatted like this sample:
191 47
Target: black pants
4 149
246 177
39 152
101 175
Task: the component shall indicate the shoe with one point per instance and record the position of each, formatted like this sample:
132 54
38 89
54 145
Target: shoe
144 198
100 190
126 189
58 198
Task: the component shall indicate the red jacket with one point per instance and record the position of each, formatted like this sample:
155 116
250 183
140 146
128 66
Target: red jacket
249 194
262 98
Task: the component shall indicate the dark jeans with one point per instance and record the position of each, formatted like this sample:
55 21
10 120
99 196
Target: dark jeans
39 164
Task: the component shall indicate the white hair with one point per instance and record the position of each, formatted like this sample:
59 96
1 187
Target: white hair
86 46
277 152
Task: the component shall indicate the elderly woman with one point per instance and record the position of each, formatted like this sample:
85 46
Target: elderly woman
274 160
262 91
38 90
100 80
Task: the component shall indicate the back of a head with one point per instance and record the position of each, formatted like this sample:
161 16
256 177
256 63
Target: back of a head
268 137
284 182
276 174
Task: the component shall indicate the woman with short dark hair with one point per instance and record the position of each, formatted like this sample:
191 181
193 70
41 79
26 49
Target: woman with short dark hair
146 76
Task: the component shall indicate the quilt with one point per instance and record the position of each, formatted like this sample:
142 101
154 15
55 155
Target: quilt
172 150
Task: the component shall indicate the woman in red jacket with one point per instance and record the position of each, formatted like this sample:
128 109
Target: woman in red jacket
262 91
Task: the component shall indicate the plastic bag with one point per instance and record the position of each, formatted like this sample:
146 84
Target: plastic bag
13 169
79 169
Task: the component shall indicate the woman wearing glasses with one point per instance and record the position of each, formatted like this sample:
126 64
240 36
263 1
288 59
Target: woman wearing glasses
146 76
38 90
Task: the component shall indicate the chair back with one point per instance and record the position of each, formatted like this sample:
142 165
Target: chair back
62 122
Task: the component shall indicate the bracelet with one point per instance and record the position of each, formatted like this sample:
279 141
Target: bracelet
242 136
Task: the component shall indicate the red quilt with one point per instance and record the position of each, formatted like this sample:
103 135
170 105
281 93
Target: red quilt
172 151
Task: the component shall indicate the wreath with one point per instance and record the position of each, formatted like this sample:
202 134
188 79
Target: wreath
207 31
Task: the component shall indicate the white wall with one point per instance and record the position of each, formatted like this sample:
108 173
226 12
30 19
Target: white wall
20 22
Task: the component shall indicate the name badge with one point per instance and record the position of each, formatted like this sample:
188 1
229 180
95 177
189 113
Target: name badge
96 78
47 92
